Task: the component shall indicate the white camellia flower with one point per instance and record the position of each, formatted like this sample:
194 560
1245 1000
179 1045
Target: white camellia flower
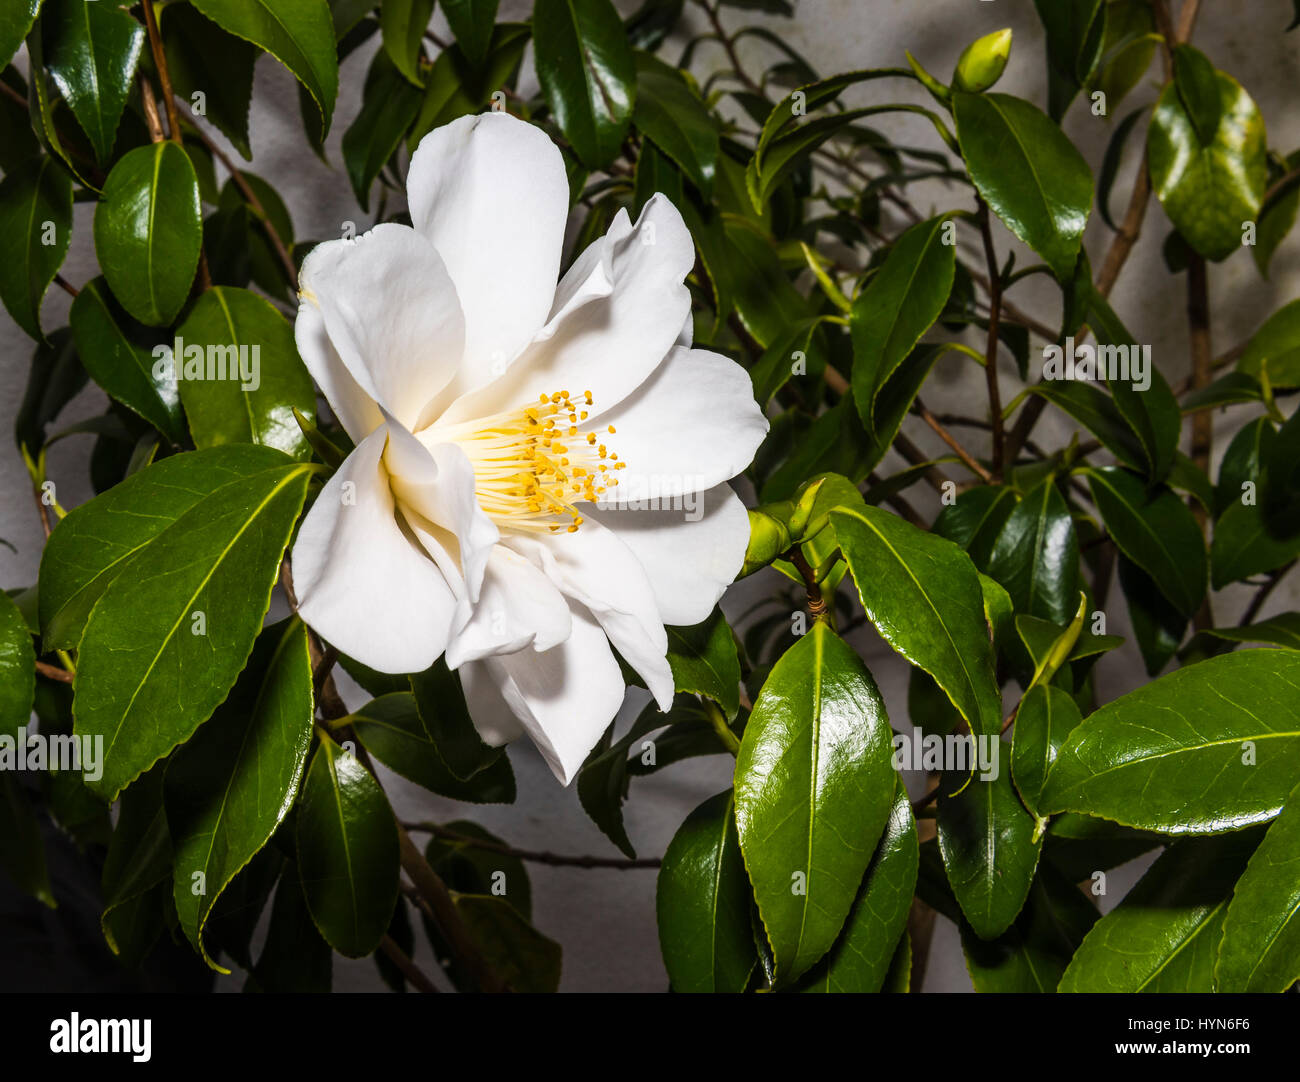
540 470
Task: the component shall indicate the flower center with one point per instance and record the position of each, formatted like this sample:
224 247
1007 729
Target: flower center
532 466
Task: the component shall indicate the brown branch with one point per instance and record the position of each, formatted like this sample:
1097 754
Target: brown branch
817 607
409 969
952 441
991 349
1261 595
164 78
65 285
54 672
533 856
151 118
934 476
730 48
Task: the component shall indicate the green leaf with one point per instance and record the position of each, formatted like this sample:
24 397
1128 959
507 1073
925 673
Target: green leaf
298 33
587 72
1046 716
17 669
1197 84
295 958
472 23
1157 531
1211 747
1245 545
1274 349
232 785
1209 191
604 779
1078 846
116 351
1280 630
167 639
899 304
35 230
703 903
1028 172
468 868
814 785
16 21
523 957
389 104
989 846
22 846
924 597
91 53
91 546
975 519
390 728
139 855
441 704
203 58
1260 951
671 114
252 377
704 662
1157 625
1036 556
1075 36
1097 412
1164 935
1276 219
347 851
1031 955
860 960
402 24
148 231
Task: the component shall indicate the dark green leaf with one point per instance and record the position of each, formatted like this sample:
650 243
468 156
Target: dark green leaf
523 957
1274 349
671 114
1046 716
17 669
441 703
35 230
203 58
402 24
471 21
389 105
1036 556
295 958
16 21
704 662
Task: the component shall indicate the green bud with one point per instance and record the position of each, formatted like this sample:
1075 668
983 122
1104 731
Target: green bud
769 537
983 62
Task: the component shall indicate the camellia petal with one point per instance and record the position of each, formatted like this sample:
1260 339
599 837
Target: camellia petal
518 608
392 313
610 345
565 697
361 582
596 569
354 408
491 194
690 555
689 427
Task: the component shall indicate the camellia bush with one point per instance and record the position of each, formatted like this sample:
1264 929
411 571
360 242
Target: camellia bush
654 315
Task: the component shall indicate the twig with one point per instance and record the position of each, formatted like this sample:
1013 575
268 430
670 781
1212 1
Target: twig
65 285
991 350
557 860
951 440
164 78
409 969
151 118
54 672
1261 595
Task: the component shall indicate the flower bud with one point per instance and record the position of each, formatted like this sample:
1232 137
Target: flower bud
769 537
982 64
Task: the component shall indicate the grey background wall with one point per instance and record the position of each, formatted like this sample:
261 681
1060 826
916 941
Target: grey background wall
605 919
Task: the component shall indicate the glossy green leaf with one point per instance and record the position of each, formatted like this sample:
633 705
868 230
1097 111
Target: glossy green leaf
470 868
989 849
1211 747
1157 531
402 24
117 352
1280 630
295 958
17 668
670 113
390 728
139 854
1157 625
1245 545
232 785
389 104
90 548
1079 846
1075 36
704 662
1036 556
16 21
1164 935
1197 84
1209 191
1274 349
347 851
814 785
703 901
148 231
899 304
860 960
35 230
472 22
1033 953
1097 412
523 957
1028 172
167 639
1046 716
203 58
1276 219
298 33
252 377
1260 951
975 519
441 703
924 597
587 72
